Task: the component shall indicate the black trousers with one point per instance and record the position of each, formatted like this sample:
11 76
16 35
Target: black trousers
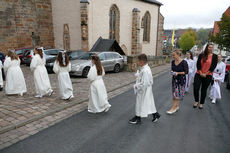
203 83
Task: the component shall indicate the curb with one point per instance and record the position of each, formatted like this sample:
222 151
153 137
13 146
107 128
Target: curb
68 105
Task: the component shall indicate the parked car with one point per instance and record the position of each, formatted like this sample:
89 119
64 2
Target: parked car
228 80
2 59
27 57
227 62
75 54
111 61
51 55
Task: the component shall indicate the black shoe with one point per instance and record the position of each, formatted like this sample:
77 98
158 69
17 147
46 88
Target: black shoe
135 120
195 106
156 116
201 107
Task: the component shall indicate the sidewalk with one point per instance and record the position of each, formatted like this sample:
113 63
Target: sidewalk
21 117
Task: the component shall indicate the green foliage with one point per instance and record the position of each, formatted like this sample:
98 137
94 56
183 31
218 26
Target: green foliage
202 37
188 40
223 37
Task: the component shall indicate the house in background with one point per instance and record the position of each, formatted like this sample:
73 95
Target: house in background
134 24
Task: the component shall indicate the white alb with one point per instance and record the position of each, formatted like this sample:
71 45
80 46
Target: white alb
98 99
145 104
190 74
15 81
218 77
41 78
65 83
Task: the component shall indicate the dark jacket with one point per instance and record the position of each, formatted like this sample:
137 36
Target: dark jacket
213 64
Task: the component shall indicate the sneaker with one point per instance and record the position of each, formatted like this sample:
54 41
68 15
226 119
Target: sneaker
135 120
156 116
50 92
38 96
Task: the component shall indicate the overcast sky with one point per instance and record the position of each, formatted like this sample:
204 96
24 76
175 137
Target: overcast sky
192 13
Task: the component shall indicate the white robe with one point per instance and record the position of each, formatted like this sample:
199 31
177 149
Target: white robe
190 74
218 77
145 104
98 99
65 83
1 79
41 78
195 61
15 81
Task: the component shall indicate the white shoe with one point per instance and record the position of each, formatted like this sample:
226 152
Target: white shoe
21 94
38 96
50 92
107 109
174 111
213 101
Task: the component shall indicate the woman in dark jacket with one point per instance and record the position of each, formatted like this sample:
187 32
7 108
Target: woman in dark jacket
206 64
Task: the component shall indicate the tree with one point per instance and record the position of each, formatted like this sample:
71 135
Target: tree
188 40
223 36
202 37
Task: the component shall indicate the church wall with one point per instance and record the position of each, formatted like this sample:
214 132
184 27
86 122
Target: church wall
67 12
99 22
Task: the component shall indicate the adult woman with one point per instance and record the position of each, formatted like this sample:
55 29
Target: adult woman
98 99
191 67
62 67
41 78
179 69
206 64
218 78
15 81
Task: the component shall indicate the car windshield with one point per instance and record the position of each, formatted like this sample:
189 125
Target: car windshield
75 54
19 52
86 56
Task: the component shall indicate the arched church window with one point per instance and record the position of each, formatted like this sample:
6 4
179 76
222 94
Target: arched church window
114 23
66 37
146 25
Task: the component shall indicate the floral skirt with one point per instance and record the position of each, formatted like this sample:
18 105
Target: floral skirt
178 90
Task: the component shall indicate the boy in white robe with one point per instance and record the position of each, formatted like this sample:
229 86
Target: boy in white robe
218 78
1 79
191 67
145 104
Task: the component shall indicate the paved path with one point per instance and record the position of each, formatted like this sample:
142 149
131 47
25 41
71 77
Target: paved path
188 131
21 117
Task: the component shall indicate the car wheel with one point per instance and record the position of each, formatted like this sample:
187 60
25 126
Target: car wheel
116 68
85 72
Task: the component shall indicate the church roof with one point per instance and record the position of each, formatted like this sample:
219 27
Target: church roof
147 1
103 45
153 2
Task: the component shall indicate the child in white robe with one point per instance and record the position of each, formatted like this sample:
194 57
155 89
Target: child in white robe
98 99
145 104
15 81
41 78
1 79
218 78
191 67
62 67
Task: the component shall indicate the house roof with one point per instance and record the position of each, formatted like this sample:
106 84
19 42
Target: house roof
107 45
153 2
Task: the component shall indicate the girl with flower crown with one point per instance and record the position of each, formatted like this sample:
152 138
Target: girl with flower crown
41 78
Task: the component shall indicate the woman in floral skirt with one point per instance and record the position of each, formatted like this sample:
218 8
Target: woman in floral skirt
179 70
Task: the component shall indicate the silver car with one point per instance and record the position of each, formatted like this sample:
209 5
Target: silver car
111 61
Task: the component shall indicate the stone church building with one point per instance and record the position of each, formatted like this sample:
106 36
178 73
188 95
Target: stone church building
78 24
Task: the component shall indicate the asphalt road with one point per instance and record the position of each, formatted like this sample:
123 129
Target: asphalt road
188 131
